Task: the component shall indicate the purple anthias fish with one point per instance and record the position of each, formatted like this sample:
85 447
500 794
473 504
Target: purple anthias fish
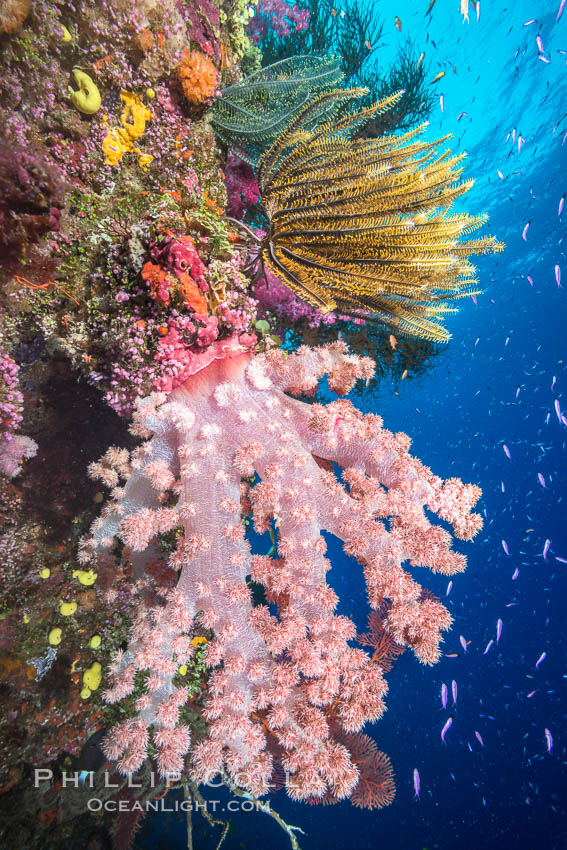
479 738
548 740
416 782
444 695
498 629
546 546
505 547
446 728
454 691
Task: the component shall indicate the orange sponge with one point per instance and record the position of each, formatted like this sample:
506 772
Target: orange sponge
198 77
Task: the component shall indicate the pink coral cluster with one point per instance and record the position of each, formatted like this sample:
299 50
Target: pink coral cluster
287 672
177 254
278 16
241 186
13 447
275 296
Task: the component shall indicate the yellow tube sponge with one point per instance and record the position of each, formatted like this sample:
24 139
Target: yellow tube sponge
116 143
67 609
119 140
134 115
87 98
86 577
92 677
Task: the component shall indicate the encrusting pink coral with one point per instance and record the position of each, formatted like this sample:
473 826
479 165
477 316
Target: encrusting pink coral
294 674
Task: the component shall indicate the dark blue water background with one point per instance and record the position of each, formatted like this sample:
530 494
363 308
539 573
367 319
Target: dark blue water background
494 387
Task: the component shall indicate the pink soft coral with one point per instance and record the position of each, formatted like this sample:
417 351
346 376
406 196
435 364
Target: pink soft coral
292 672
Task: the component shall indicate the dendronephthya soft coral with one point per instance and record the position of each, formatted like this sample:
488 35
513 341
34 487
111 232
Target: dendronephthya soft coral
292 674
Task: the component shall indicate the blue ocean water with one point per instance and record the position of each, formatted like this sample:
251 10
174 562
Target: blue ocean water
497 385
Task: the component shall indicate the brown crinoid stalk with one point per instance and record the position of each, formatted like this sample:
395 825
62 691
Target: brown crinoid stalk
12 15
198 77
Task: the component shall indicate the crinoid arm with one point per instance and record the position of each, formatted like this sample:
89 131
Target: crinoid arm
367 224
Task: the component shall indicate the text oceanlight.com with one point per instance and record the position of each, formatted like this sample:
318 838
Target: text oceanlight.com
106 780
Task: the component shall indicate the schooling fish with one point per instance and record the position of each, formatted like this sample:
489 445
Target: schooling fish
542 657
498 629
449 588
444 695
416 782
463 642
560 12
507 451
525 231
516 574
561 202
430 7
398 24
505 547
541 479
420 60
546 546
454 691
489 645
446 728
438 77
558 275
548 740
478 736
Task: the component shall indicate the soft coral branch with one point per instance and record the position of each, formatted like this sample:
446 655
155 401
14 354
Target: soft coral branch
290 673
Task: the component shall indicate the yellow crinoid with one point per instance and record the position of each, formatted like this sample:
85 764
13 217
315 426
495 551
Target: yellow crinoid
363 226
